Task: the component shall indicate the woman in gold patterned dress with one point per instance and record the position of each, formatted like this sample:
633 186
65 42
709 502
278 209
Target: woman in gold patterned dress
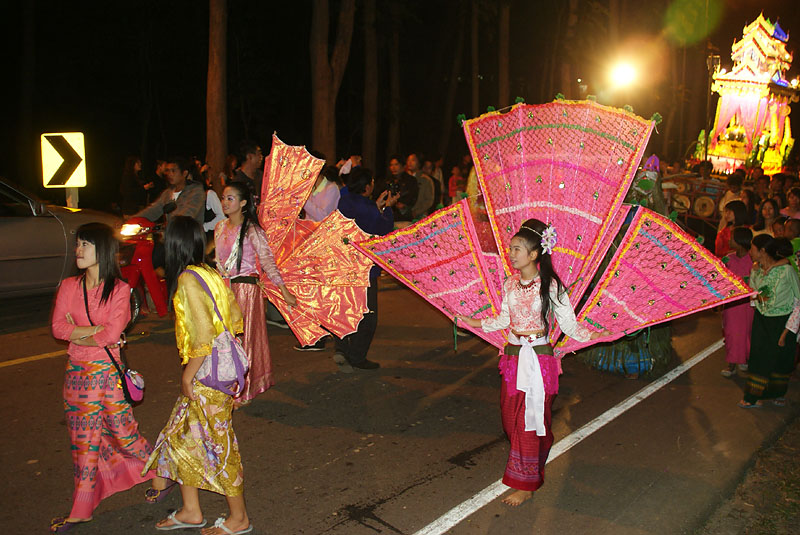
197 449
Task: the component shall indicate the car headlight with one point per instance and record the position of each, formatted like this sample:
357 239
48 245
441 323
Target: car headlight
130 229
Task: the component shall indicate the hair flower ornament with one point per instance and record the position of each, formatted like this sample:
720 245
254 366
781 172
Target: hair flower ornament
548 239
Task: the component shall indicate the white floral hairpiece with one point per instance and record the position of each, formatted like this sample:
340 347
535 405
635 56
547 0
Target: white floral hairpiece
548 238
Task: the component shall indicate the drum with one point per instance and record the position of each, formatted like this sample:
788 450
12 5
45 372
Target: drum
681 203
704 206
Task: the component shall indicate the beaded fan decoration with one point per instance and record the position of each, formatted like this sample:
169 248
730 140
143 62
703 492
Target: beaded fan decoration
570 165
317 261
658 273
439 258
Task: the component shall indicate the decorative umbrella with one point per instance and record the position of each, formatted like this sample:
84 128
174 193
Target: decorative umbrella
317 260
569 164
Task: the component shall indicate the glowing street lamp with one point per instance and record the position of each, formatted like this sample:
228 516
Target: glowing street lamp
623 74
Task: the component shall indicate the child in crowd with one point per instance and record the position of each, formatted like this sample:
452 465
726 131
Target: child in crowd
777 227
733 193
737 318
772 349
456 184
529 369
735 215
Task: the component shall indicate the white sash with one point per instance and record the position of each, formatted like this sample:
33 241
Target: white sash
530 381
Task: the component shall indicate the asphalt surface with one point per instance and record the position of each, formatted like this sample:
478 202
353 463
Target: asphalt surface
389 451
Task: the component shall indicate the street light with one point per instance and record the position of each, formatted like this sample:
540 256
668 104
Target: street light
622 75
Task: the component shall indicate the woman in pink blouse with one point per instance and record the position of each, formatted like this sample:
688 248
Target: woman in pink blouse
242 254
108 453
529 369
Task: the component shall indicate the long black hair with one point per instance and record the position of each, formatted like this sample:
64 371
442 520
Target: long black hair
249 214
531 233
779 248
184 245
740 215
760 241
743 237
761 223
106 249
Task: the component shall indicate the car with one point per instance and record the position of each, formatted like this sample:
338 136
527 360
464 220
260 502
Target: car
37 241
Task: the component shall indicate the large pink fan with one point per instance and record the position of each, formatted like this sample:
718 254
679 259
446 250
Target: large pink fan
566 163
569 164
439 258
658 273
317 261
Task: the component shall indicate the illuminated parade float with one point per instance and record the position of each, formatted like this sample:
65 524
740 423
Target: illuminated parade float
752 120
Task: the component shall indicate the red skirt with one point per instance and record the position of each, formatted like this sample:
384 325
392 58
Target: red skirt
528 453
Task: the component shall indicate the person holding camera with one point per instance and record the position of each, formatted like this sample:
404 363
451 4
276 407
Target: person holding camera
401 184
373 217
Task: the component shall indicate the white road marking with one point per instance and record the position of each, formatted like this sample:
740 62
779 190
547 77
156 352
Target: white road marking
460 512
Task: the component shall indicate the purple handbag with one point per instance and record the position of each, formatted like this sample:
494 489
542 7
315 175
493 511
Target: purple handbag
227 365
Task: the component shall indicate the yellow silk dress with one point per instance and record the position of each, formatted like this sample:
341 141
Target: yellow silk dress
198 447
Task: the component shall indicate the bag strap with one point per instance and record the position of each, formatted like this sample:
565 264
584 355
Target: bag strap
205 286
108 352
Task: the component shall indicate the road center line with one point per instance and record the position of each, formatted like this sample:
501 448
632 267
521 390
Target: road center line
460 512
61 352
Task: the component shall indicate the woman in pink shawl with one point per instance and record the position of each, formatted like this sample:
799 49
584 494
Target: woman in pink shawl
242 254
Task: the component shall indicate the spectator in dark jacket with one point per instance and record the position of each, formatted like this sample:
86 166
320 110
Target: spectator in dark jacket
374 217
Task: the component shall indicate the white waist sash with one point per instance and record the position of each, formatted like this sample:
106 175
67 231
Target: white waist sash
530 381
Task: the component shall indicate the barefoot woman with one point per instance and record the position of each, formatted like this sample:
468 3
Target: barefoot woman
529 369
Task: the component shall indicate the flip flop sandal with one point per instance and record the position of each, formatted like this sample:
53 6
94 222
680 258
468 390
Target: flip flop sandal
177 524
60 524
220 523
745 405
153 496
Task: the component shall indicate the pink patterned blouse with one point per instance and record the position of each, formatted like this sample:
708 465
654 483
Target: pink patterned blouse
522 310
256 254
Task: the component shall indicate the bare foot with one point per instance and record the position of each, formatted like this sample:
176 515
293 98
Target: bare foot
233 525
517 497
181 516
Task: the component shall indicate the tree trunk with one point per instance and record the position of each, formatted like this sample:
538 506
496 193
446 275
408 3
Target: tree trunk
475 62
216 92
448 118
666 148
566 72
393 133
503 97
26 143
613 24
369 143
327 73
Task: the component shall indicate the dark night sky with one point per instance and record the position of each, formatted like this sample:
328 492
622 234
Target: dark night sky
131 75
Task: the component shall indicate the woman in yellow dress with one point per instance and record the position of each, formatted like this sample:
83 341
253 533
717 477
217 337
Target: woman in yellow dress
197 449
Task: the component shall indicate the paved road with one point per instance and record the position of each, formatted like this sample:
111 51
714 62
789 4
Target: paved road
391 450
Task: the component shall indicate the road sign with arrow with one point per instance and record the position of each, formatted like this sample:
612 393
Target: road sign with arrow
63 160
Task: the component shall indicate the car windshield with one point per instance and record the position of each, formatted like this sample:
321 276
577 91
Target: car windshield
15 201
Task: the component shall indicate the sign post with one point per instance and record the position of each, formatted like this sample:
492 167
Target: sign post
64 163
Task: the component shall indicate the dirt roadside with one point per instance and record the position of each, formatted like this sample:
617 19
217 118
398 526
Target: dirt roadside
767 501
